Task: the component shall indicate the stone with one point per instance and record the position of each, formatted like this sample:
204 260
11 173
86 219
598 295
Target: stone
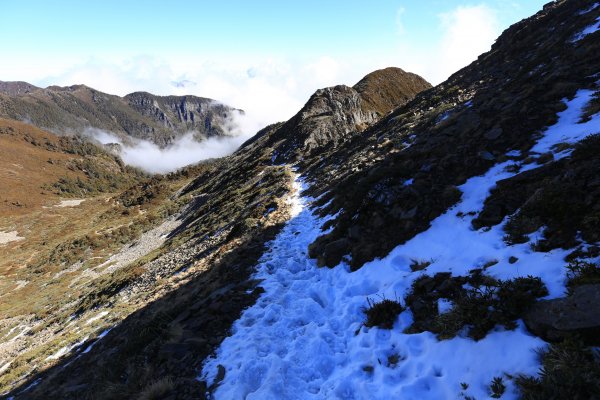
486 155
493 134
555 319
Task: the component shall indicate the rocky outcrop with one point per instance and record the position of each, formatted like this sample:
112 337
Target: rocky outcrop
334 114
577 314
329 116
204 116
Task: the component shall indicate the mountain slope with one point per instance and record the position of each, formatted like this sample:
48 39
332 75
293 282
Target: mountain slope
459 129
38 167
227 215
434 220
401 206
160 119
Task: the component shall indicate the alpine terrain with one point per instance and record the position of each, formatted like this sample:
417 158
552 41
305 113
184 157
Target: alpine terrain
392 240
141 115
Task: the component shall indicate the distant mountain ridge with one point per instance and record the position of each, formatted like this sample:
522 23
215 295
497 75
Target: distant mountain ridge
141 115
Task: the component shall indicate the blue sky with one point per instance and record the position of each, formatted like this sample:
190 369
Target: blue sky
264 56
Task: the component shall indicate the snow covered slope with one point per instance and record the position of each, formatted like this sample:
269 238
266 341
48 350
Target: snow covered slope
305 338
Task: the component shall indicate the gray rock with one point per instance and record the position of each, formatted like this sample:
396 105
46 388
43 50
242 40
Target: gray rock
494 133
486 155
556 319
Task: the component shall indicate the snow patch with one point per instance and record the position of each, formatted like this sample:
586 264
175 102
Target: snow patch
66 349
7 237
587 30
100 336
97 317
70 203
568 129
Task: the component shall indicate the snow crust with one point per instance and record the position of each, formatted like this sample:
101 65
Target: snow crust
304 338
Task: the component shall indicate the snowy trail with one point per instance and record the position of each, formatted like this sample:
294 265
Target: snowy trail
304 339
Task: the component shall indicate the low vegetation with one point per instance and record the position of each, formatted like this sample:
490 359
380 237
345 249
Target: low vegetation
483 304
582 273
569 371
497 387
382 313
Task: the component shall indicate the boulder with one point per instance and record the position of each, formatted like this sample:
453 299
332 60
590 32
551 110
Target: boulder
553 320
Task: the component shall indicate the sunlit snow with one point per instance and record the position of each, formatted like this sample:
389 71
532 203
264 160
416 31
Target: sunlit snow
304 338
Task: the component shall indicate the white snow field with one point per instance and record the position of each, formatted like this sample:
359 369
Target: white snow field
304 338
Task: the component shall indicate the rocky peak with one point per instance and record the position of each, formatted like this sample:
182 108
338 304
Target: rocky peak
333 114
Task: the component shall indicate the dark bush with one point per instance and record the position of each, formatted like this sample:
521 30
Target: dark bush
486 303
382 314
581 273
569 371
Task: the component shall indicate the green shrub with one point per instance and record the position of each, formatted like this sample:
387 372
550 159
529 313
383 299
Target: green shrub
486 303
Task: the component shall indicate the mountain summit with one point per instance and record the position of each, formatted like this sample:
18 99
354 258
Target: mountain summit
334 114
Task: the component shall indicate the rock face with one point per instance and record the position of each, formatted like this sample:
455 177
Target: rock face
160 119
204 116
334 114
553 320
329 116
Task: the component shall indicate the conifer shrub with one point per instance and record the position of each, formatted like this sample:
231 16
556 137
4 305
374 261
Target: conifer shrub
497 387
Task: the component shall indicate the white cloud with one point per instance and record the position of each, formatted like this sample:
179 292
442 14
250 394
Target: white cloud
465 33
399 23
184 151
468 32
323 71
